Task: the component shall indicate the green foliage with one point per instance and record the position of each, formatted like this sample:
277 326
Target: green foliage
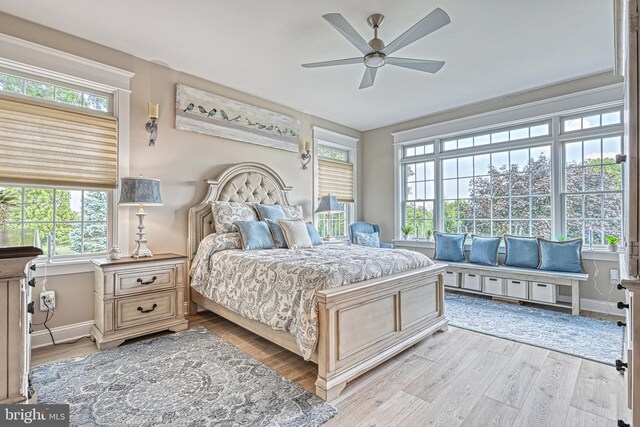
407 229
7 203
612 240
94 236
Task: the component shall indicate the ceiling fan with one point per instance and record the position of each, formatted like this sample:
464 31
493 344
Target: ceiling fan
376 54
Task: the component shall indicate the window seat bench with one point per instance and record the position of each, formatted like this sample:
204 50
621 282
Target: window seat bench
513 283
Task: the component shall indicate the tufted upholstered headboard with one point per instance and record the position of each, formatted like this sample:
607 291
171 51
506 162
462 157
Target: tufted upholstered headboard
244 182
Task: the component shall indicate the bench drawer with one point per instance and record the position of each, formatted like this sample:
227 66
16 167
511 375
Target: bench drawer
545 292
518 288
493 285
471 281
451 279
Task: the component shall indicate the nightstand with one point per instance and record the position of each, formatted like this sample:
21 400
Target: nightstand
137 296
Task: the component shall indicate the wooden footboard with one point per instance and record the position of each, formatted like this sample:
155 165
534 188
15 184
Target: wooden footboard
363 324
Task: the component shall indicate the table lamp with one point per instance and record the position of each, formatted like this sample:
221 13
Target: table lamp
140 192
328 204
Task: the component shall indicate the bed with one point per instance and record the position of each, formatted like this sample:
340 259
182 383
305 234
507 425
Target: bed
360 317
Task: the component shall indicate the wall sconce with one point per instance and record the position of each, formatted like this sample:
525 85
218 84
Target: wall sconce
152 124
306 155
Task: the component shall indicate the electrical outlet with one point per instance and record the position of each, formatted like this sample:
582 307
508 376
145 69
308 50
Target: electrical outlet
47 300
614 276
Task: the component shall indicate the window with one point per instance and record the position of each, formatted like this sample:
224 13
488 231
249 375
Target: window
497 136
57 165
554 177
503 192
52 92
76 219
335 176
593 189
419 201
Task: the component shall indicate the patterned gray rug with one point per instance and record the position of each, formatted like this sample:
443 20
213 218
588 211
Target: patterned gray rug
192 378
586 337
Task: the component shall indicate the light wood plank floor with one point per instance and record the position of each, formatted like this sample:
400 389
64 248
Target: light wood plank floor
454 378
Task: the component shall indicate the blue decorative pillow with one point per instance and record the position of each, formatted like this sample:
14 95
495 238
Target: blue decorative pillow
484 250
371 240
561 256
521 252
276 234
449 247
313 233
272 212
254 235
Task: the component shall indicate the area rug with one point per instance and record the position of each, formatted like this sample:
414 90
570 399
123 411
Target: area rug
192 378
585 337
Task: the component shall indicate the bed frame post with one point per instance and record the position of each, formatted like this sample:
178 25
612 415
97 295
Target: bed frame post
326 388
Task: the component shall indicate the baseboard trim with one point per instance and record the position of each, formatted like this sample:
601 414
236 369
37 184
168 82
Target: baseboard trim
61 334
595 305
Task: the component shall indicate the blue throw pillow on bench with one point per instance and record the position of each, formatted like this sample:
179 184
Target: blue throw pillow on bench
521 252
484 250
449 247
561 256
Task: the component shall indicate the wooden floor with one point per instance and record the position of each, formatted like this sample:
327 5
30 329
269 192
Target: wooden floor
455 378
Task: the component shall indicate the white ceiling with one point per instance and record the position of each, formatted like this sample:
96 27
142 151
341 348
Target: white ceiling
492 47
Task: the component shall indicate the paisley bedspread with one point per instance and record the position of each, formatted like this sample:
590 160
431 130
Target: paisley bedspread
277 286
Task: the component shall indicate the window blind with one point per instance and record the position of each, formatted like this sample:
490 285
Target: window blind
53 146
335 178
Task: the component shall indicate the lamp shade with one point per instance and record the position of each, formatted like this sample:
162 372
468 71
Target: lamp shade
140 192
328 204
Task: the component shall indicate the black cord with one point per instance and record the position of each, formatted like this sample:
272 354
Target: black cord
47 319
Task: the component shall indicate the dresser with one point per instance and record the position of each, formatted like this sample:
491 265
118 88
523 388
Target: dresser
138 296
15 323
630 363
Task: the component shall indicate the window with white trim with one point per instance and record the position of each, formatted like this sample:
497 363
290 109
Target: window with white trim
592 188
503 180
335 175
62 143
75 219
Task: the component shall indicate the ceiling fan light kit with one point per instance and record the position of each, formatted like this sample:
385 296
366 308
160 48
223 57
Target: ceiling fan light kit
376 54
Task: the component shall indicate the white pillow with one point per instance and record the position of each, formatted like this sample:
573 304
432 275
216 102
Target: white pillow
295 234
226 213
292 212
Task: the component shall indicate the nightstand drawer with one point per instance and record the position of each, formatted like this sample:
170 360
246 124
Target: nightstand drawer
145 309
144 280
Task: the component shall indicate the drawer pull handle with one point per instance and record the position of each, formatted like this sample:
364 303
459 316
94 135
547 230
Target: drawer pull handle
471 275
620 287
148 282
621 365
541 285
515 282
493 280
622 305
153 307
621 323
621 423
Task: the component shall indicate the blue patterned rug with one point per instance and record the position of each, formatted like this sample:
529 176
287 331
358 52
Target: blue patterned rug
192 378
586 337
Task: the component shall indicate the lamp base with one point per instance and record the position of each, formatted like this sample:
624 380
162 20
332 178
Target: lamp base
141 251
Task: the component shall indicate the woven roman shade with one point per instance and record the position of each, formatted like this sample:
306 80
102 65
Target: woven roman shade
335 178
53 146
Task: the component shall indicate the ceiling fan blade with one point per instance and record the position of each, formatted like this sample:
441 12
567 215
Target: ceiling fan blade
339 23
368 78
335 62
425 65
427 25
